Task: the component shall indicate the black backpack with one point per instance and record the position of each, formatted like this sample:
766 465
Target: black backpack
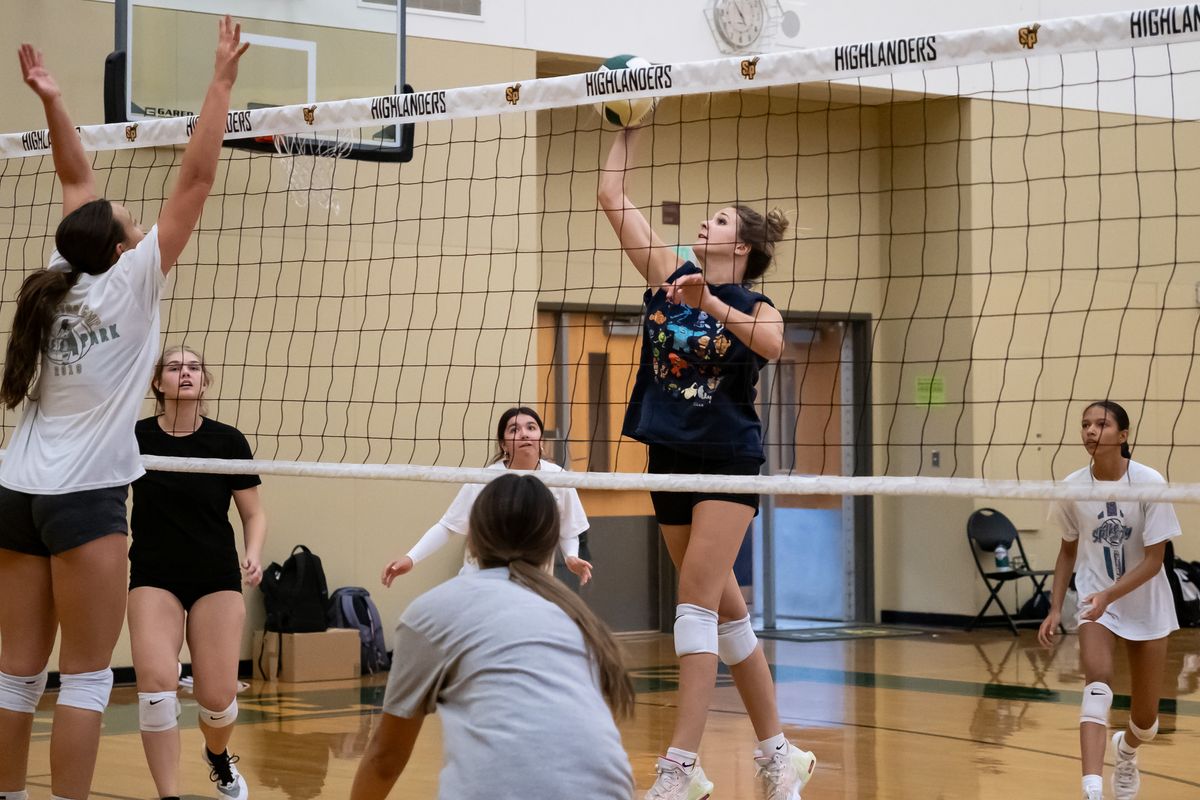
1185 590
296 594
1036 607
352 607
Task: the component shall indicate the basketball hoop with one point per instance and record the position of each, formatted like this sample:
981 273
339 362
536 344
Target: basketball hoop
308 164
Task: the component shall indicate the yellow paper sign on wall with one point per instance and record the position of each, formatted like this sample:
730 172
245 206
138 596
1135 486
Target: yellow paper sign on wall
931 391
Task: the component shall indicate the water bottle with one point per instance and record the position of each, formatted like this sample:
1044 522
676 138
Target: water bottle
1002 564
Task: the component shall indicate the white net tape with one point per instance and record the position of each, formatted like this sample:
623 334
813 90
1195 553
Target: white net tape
736 484
310 164
1127 29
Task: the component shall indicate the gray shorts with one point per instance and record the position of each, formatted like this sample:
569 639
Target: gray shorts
49 524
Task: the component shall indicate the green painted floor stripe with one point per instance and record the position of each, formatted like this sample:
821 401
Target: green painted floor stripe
307 704
666 679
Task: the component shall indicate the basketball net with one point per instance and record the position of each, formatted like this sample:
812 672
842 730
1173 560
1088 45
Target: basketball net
309 164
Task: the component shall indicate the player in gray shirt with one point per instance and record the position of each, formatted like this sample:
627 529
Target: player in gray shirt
523 673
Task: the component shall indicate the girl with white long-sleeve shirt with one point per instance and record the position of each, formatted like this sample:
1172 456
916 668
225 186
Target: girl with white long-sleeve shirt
519 437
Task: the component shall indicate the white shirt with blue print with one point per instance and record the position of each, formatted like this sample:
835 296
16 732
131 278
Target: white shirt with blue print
1113 536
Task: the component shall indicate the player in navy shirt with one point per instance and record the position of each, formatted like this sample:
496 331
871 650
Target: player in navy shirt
706 336
695 387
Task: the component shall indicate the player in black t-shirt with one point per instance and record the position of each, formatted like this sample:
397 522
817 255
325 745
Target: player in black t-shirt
705 338
185 576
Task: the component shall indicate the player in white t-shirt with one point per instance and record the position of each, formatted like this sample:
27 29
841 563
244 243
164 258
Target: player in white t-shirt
525 678
519 437
84 340
1115 549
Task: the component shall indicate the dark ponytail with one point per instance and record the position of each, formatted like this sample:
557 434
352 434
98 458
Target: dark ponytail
1120 416
87 238
40 295
514 523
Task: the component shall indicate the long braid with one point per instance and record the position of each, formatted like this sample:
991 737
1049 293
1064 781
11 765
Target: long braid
514 523
37 301
614 680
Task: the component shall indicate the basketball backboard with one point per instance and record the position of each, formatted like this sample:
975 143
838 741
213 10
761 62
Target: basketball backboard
169 57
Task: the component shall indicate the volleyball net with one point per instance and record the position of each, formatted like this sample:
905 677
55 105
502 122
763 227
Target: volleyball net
990 229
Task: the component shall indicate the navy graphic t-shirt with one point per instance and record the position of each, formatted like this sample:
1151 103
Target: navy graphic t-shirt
695 388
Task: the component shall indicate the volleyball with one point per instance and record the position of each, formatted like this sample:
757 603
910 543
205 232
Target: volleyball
625 113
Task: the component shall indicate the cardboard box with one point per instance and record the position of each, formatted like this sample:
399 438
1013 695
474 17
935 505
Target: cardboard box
327 656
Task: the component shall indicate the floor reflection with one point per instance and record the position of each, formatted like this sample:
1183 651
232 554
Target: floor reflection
938 714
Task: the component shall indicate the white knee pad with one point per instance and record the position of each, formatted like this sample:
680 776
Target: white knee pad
736 641
695 630
86 690
158 711
1144 734
21 694
219 719
1097 700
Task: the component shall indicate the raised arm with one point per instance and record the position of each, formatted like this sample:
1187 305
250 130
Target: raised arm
70 162
182 210
653 259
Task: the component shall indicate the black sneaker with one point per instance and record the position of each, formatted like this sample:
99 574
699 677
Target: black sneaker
230 784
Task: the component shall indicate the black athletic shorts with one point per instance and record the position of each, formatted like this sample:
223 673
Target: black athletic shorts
49 524
187 591
675 508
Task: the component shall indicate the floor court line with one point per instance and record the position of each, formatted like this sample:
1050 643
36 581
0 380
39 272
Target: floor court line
119 722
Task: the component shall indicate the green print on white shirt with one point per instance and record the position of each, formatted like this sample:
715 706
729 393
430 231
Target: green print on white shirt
76 329
76 430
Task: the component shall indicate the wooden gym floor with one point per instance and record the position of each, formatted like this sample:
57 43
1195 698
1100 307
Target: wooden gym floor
932 715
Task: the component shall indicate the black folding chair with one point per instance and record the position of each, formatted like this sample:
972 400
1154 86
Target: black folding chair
987 528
